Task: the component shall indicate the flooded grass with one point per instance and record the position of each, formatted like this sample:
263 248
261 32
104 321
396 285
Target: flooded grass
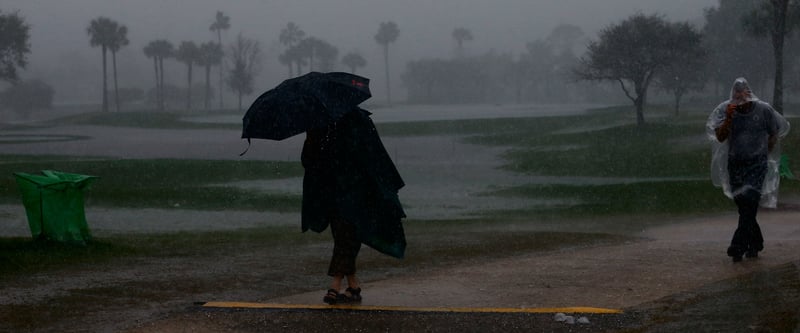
193 264
677 197
164 183
141 119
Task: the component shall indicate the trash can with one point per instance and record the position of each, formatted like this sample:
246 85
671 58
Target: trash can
54 205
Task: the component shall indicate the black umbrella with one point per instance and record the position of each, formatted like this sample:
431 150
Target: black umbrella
310 101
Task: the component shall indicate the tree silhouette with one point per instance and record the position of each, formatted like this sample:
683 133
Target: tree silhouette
687 71
159 50
289 37
305 50
770 19
118 40
387 34
14 45
245 55
354 60
221 22
564 38
103 33
461 35
210 55
296 54
188 53
722 22
632 52
318 52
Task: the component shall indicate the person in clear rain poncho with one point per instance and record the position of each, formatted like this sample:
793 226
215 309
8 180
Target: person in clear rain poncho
745 134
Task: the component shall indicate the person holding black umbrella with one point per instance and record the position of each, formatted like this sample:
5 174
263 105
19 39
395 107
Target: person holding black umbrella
351 184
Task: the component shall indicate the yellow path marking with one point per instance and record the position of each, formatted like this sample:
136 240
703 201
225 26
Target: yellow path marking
247 305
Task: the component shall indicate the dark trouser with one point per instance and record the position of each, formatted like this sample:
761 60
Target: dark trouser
747 179
345 248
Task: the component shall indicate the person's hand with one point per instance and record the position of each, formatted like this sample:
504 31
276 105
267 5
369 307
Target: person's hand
730 110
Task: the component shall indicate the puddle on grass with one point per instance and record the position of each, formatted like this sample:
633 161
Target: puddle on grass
36 138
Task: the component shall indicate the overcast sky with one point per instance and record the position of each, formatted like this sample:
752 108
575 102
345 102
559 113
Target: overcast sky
58 27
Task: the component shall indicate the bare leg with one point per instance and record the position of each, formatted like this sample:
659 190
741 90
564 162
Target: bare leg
353 292
336 284
352 282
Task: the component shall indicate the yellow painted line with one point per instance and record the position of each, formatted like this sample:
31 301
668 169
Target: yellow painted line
247 305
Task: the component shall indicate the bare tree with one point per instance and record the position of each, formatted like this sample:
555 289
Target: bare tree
245 56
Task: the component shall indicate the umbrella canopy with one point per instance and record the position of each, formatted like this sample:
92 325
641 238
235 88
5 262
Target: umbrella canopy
310 101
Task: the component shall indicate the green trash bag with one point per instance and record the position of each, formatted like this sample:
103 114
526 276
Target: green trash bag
784 169
54 205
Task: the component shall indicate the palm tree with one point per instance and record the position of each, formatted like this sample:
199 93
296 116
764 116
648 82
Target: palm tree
290 36
150 52
221 22
354 60
210 55
188 53
387 34
159 50
101 32
119 39
461 35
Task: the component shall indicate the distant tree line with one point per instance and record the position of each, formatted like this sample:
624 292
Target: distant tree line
633 58
737 38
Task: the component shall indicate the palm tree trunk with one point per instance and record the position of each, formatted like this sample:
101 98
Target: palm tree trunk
155 67
162 104
105 81
116 88
208 86
386 61
189 87
221 65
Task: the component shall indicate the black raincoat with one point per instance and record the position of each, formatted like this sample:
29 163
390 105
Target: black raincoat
349 174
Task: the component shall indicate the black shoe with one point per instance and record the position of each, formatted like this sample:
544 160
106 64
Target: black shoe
351 295
332 297
751 254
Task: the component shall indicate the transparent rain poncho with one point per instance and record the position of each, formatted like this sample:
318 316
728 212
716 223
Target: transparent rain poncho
720 150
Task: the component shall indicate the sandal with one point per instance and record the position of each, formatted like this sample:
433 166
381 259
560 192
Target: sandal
332 297
351 295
